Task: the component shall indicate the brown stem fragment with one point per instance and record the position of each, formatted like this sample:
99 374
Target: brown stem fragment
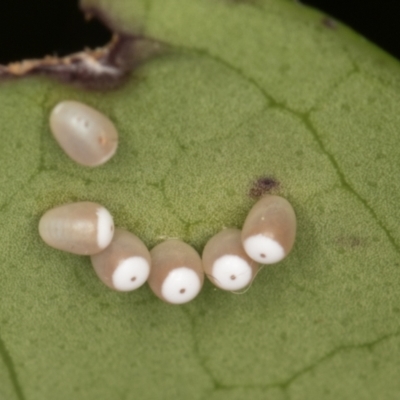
102 68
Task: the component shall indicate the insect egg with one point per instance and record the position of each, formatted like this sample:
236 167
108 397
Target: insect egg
125 264
176 274
269 230
226 263
86 135
84 228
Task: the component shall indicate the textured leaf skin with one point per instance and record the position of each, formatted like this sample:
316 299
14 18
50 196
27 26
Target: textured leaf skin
247 89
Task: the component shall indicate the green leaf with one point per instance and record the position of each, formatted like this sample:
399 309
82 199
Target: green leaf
245 90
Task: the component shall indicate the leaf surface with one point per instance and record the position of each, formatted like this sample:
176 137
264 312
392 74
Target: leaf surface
246 90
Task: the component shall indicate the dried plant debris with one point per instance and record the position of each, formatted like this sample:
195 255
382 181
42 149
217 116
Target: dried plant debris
101 68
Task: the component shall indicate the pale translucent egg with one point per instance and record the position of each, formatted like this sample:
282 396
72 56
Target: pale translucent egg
84 228
177 275
269 230
86 135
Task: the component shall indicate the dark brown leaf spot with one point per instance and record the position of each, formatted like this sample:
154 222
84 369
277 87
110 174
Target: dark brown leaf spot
329 23
263 185
351 242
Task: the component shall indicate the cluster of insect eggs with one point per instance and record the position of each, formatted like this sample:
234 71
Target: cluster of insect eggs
173 269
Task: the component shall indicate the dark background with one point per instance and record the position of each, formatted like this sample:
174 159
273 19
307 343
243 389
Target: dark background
35 28
378 20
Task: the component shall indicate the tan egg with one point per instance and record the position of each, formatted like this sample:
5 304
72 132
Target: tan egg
269 230
81 228
176 274
226 263
125 264
85 134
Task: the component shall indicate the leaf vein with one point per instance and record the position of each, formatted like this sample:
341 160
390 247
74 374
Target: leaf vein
9 363
285 384
344 182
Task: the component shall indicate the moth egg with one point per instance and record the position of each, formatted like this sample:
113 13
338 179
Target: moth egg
85 134
269 230
176 275
125 264
226 263
83 228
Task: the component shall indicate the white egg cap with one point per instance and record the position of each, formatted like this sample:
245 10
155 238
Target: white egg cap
105 227
181 285
132 267
231 272
263 249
